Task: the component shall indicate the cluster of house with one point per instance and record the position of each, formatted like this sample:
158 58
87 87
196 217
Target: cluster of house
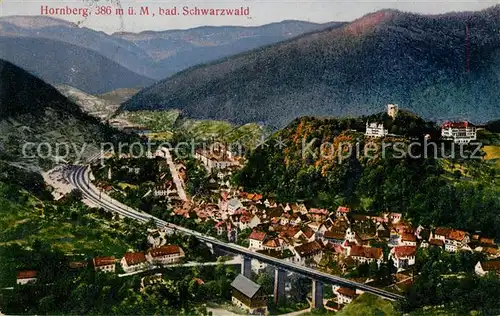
131 262
303 235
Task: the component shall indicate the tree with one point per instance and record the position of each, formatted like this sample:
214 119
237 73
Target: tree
267 283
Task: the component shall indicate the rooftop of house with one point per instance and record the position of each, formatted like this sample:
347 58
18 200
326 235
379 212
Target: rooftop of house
404 251
308 248
334 235
133 258
257 235
165 250
318 211
366 252
345 291
104 261
436 242
450 233
289 231
245 286
343 209
272 243
463 124
28 274
308 232
491 265
408 237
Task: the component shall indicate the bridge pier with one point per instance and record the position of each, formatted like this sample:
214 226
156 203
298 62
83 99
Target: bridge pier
279 285
317 294
246 267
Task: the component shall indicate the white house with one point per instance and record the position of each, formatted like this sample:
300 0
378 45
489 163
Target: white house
165 254
134 261
216 158
408 239
342 211
256 240
25 277
453 239
375 130
483 268
345 295
403 256
361 254
459 132
105 264
310 251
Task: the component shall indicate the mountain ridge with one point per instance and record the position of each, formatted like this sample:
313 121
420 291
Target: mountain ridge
76 66
385 57
155 54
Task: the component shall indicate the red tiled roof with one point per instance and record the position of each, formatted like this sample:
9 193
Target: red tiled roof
256 235
492 265
436 242
463 124
308 232
488 241
309 248
404 251
165 250
290 232
104 261
457 235
408 237
333 235
26 274
343 209
272 243
347 292
133 258
318 211
450 233
366 252
443 231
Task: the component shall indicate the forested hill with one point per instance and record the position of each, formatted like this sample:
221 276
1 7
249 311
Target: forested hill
389 56
31 111
312 165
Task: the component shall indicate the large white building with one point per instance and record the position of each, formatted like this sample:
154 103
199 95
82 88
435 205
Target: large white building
216 158
459 132
165 254
375 130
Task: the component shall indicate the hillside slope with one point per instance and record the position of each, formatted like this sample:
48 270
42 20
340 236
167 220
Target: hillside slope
33 113
61 63
416 61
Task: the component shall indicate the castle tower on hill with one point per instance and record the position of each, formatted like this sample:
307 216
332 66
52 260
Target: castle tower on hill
392 110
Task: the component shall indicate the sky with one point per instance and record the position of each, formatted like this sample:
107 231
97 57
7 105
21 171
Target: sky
260 11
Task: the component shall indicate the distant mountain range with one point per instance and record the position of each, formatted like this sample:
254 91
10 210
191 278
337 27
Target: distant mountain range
96 62
416 61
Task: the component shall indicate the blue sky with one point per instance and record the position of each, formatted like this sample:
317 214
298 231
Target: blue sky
261 12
